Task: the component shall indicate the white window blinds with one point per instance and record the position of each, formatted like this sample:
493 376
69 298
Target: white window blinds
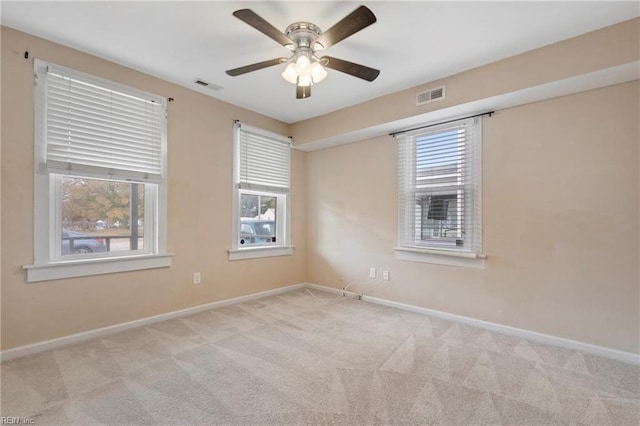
98 128
440 186
263 158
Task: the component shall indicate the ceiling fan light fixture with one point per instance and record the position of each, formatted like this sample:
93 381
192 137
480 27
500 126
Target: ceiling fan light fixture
305 71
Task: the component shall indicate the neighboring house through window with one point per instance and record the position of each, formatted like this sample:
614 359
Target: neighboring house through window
262 162
100 176
440 193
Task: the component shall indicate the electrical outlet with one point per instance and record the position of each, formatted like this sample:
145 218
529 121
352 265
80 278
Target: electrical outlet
197 278
385 275
372 273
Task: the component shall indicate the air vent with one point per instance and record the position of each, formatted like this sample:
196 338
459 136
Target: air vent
201 82
430 95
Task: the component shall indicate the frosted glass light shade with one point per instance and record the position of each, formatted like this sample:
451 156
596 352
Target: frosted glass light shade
303 64
290 74
318 73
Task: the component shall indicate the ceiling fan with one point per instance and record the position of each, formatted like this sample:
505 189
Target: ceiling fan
305 39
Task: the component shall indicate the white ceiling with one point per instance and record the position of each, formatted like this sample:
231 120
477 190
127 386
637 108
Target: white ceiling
412 42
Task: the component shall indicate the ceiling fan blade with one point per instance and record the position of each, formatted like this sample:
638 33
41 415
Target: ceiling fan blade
303 92
255 67
350 68
249 17
360 18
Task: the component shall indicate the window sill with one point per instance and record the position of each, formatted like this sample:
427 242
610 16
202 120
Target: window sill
85 267
257 252
441 257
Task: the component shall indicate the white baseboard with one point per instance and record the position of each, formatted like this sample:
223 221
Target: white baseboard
34 348
99 332
626 357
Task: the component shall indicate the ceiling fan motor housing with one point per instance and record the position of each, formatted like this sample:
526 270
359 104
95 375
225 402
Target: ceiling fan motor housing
303 34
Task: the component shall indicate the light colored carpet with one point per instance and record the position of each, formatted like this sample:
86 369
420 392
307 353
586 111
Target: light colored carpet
293 359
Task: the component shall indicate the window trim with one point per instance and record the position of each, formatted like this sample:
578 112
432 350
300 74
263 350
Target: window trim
449 256
86 267
283 214
48 266
258 252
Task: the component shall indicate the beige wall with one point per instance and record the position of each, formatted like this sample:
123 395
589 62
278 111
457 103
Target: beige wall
199 213
560 221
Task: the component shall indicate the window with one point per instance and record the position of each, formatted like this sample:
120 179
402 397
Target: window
261 193
440 193
120 205
100 160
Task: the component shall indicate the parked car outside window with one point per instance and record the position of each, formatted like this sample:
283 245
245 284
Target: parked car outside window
81 245
257 231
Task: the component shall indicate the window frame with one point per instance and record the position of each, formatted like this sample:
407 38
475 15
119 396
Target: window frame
443 241
49 263
282 246
280 219
439 250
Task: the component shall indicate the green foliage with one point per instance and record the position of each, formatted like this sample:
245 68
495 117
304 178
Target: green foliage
89 200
